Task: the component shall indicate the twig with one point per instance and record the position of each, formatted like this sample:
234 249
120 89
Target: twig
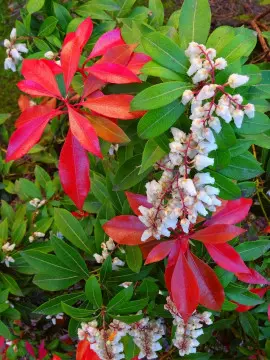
263 43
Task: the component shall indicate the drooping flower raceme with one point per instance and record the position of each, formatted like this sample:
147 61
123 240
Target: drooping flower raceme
13 51
178 197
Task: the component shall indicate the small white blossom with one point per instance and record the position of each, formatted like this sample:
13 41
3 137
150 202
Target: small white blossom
187 96
236 80
7 247
200 75
7 260
49 55
9 64
202 161
13 34
238 116
220 63
249 110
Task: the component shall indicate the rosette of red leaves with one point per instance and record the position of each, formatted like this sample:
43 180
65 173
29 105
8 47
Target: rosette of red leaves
189 280
91 115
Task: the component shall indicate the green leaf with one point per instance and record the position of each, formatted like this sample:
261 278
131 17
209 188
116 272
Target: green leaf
243 167
157 13
226 137
157 121
48 26
165 52
220 37
241 146
253 72
152 68
70 257
93 11
228 189
151 154
126 6
18 231
119 299
106 269
194 22
221 158
128 174
262 90
252 250
134 258
228 306
72 230
42 176
4 117
53 306
10 283
131 306
58 281
34 5
262 140
260 123
3 231
158 95
76 313
240 295
108 5
62 15
249 324
93 292
28 190
4 331
248 188
99 187
241 45
41 45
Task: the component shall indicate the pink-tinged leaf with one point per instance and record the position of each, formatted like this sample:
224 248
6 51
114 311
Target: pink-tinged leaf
114 106
41 73
172 259
227 258
29 348
107 41
56 69
217 234
84 31
84 132
33 112
91 84
137 61
253 277
32 88
184 288
125 229
137 200
70 56
120 54
42 352
211 291
74 170
233 212
113 73
147 247
2 342
27 135
159 252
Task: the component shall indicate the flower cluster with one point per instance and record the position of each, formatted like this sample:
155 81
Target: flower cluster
36 234
37 203
13 51
7 248
186 334
177 195
107 248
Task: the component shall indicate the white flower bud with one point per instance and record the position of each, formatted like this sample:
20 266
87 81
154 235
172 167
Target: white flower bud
185 223
220 64
211 190
224 113
236 80
203 178
200 75
7 43
178 135
214 123
202 161
249 110
21 48
187 96
15 54
188 186
99 259
13 34
238 116
49 55
9 64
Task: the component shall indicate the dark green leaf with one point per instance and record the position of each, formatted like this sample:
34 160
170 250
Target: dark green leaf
93 292
134 258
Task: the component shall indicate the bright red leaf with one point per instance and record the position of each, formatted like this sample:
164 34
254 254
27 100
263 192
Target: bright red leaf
31 113
159 252
184 288
137 61
84 31
42 352
27 135
233 212
211 291
91 84
218 233
253 277
113 73
56 69
125 229
227 258
120 54
113 106
56 357
107 41
84 132
29 348
32 88
70 56
137 200
84 352
74 170
39 72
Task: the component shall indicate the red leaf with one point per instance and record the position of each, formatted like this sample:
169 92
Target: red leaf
24 102
137 200
137 61
32 88
253 277
114 106
42 352
2 342
113 73
172 259
91 84
216 234
56 69
147 247
33 112
227 258
70 56
27 135
211 291
234 212
74 170
184 288
84 31
84 132
84 352
107 41
39 72
29 348
108 130
125 229
118 54
159 252
55 357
